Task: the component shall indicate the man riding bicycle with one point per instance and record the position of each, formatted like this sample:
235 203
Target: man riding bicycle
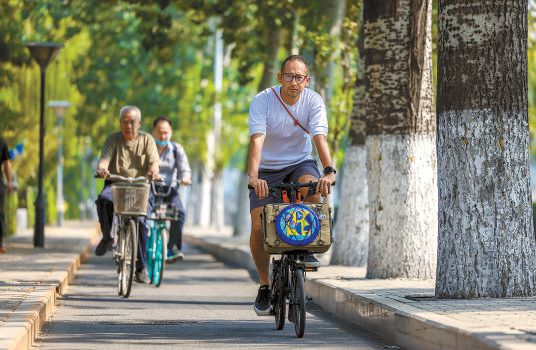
129 153
173 166
282 121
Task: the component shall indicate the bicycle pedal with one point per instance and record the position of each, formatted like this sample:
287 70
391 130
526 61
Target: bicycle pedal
311 269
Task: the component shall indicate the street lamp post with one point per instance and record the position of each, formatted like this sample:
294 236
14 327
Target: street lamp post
43 53
59 108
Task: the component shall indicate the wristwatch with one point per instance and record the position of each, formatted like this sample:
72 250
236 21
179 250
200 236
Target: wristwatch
328 170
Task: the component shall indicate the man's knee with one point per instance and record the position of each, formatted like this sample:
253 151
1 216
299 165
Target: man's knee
308 178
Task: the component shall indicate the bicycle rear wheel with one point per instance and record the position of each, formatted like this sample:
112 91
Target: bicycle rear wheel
129 256
298 302
159 257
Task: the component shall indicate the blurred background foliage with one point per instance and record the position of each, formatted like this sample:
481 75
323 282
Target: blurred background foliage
158 55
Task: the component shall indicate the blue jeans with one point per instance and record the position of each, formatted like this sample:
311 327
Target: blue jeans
105 211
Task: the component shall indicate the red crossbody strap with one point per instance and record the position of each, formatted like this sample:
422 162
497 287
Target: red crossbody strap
296 122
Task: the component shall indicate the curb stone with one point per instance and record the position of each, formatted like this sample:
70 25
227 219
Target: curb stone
392 316
21 328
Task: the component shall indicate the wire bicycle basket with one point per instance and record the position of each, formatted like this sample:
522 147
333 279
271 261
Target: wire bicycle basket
130 198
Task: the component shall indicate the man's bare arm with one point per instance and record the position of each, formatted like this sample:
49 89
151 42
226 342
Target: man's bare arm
102 167
324 183
154 171
254 160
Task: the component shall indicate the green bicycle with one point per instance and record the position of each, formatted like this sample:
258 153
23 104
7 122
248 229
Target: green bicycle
159 223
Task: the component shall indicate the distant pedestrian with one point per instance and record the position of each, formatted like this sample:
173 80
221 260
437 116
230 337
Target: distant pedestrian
6 186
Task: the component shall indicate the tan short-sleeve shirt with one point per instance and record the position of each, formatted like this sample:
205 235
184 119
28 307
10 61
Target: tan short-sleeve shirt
131 159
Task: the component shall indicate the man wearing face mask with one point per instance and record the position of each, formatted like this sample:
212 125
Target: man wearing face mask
129 153
174 167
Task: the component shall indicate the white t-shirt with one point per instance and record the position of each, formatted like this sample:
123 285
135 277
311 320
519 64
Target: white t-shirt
286 143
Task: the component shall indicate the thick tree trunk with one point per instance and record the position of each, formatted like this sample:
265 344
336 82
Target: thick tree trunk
335 10
400 139
352 226
486 240
242 219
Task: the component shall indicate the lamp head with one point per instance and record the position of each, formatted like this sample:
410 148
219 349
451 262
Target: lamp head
44 52
59 107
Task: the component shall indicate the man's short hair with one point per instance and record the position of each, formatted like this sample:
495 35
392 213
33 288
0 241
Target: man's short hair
127 108
298 58
162 118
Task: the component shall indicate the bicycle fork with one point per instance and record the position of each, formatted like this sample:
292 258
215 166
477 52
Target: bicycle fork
114 234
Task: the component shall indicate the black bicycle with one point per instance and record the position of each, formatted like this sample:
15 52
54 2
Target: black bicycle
293 229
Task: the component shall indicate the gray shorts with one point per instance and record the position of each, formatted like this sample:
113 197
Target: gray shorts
289 174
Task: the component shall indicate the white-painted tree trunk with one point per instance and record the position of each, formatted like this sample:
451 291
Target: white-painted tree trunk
487 246
217 200
217 219
193 202
351 229
204 203
400 141
242 219
352 224
402 193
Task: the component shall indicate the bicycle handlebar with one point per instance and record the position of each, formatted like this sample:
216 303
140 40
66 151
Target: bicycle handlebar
290 185
293 187
161 183
116 178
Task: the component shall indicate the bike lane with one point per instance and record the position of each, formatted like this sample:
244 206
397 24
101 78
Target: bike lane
201 304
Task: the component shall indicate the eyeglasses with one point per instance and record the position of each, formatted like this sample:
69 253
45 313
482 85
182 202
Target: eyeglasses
130 122
289 76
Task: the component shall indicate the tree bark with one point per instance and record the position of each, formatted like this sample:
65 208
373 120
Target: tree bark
486 240
334 12
352 225
400 139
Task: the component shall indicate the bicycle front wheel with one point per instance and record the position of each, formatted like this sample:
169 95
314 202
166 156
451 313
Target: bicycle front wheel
150 251
119 261
298 302
159 257
279 279
129 255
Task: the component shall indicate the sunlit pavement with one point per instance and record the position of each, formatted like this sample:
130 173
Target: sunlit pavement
201 304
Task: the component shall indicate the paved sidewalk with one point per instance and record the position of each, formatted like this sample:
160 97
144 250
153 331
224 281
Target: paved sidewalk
32 278
402 312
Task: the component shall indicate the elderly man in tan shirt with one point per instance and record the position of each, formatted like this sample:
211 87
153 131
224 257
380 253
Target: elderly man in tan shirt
129 153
